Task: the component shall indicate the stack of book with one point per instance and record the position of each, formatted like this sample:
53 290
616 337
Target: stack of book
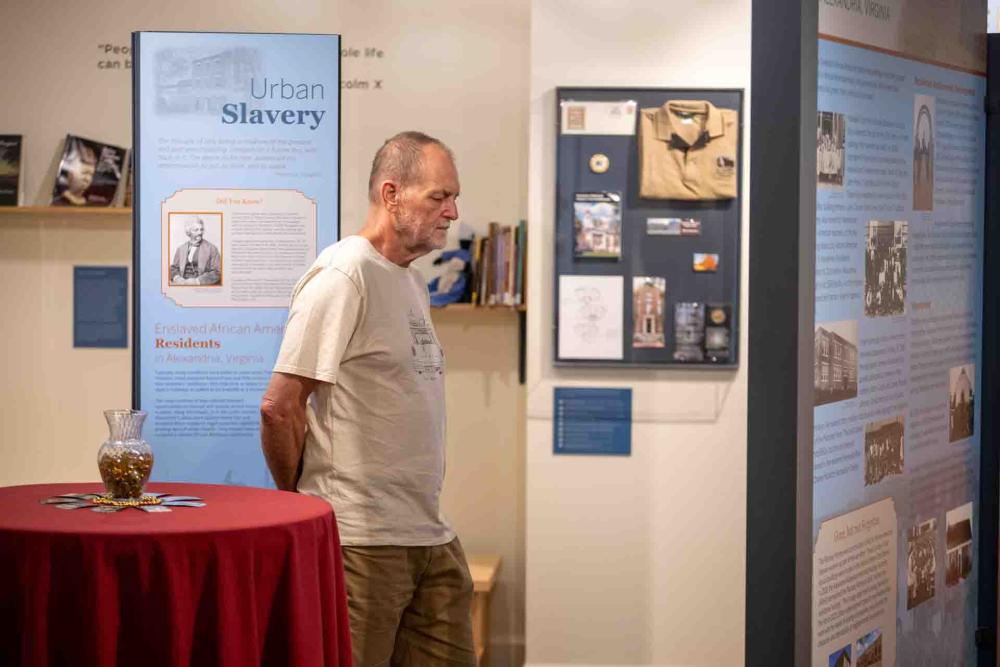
10 170
498 263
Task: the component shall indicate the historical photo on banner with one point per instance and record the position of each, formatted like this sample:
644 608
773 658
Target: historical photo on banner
835 362
597 225
831 134
196 239
883 449
923 153
921 564
958 545
648 296
885 268
961 402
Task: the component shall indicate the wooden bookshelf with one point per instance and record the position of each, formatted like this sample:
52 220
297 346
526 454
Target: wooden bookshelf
457 312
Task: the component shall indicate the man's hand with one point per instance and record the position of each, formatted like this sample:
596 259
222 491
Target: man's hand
283 426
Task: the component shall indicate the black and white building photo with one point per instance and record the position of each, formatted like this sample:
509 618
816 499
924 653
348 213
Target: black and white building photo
835 363
885 268
958 545
921 564
961 402
883 449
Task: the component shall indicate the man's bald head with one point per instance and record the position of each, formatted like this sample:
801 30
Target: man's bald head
400 160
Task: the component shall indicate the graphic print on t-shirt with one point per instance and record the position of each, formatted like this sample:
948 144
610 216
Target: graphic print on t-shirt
428 357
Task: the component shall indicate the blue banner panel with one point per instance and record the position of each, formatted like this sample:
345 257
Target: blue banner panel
592 421
899 229
100 306
237 175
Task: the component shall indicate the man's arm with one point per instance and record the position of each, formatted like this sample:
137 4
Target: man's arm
283 426
213 263
175 266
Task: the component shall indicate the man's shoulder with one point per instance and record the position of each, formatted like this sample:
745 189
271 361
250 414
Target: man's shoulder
349 255
342 261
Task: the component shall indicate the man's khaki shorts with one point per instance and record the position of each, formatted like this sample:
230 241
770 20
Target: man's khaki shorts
409 605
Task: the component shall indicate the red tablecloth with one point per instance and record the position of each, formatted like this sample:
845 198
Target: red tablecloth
255 577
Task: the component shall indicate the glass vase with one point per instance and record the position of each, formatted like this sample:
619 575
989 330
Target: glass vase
125 459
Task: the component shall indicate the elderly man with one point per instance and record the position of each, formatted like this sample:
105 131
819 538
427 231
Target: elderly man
360 344
196 262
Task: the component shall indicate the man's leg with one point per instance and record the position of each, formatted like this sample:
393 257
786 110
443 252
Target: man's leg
436 627
380 584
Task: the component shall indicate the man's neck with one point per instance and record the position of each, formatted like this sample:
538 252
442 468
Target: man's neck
378 230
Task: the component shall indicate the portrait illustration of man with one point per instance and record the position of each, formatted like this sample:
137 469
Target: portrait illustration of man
197 261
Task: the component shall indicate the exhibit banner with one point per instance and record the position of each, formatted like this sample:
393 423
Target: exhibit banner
237 144
900 135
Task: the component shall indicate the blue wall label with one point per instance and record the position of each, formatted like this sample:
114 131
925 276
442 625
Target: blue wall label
100 306
592 421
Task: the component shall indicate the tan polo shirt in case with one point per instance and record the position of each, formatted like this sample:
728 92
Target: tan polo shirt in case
687 150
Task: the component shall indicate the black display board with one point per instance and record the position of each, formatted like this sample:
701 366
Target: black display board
640 253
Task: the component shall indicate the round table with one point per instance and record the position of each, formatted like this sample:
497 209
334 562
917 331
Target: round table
254 577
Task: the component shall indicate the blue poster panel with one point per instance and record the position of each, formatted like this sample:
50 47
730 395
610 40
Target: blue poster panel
592 421
100 306
237 158
899 229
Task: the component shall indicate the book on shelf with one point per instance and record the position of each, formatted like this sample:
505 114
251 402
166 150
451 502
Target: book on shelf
127 197
498 265
11 182
89 173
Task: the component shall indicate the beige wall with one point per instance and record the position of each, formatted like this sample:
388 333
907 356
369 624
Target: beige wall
636 560
52 396
629 561
452 69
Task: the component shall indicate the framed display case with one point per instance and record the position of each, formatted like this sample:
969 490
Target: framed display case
648 206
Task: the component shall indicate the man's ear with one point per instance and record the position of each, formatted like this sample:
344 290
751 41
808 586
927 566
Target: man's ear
390 194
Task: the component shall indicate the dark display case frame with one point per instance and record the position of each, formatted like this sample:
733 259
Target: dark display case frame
642 254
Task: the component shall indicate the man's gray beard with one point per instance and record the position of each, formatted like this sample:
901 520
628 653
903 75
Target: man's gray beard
403 225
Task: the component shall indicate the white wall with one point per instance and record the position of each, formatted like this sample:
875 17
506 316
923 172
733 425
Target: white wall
637 560
453 69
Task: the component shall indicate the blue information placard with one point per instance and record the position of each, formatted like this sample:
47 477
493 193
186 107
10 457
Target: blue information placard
592 421
237 185
100 306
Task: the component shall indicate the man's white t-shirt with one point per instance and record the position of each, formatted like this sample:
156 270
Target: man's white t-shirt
375 426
